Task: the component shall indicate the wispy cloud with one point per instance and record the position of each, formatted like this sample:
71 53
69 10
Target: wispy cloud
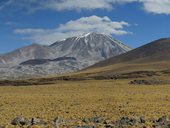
10 23
74 28
153 6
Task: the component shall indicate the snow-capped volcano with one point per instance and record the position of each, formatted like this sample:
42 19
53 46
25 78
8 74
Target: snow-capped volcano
84 50
90 47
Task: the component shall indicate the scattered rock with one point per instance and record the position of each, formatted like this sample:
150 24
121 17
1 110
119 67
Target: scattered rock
150 82
126 121
94 120
142 119
37 121
164 122
19 120
58 121
86 120
140 82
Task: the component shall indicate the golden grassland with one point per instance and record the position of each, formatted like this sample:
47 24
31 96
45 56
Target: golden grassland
75 100
122 68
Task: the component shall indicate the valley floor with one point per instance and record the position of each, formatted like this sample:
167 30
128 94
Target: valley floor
110 99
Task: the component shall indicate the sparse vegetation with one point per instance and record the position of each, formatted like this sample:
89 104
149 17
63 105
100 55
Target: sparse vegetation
110 99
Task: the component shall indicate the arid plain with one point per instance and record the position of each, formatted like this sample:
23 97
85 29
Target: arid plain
110 99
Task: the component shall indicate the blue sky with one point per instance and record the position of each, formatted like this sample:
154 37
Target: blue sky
134 22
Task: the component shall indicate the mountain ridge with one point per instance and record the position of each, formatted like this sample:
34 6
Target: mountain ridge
86 49
147 52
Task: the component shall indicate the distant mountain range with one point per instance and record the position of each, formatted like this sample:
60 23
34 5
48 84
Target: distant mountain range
69 55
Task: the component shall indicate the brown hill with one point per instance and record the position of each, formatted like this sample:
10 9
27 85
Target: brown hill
155 51
154 56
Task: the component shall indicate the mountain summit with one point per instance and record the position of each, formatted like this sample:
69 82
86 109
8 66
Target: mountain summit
68 55
91 47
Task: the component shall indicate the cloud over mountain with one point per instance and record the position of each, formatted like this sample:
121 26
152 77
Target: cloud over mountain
74 28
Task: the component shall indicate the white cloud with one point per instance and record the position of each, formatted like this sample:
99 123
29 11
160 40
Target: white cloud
74 28
153 6
157 6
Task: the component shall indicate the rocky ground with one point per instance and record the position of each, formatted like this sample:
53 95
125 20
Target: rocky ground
94 122
150 82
